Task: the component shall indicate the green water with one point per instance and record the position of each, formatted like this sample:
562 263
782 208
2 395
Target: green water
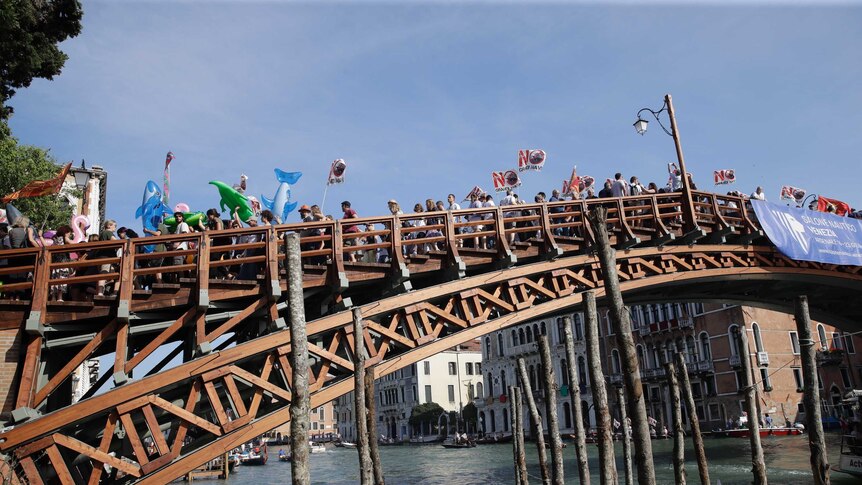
729 461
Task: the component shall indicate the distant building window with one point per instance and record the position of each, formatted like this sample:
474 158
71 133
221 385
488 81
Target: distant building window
451 393
764 378
845 377
821 332
797 376
714 412
848 344
428 394
836 341
478 368
427 366
452 369
794 343
468 368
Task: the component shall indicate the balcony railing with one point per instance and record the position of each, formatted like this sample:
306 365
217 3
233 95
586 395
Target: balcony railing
615 379
830 357
686 322
705 367
734 361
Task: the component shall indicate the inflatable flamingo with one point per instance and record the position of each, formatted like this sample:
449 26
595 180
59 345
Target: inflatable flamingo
182 207
80 224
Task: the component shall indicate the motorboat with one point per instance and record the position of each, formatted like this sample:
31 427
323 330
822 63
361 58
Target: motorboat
850 457
316 447
256 455
764 432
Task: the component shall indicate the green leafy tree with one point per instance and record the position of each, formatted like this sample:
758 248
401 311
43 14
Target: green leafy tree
30 31
20 165
423 413
470 415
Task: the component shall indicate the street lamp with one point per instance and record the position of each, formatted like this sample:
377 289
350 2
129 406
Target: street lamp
693 232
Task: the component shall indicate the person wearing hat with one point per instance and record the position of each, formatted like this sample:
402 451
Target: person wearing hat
305 213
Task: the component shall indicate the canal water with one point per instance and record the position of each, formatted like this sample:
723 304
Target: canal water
729 461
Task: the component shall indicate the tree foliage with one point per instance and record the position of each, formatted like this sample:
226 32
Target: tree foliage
424 413
20 165
470 414
30 31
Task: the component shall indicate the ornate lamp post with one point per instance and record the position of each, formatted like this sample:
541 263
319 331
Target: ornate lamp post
691 228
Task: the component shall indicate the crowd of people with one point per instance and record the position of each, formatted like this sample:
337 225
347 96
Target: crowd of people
422 233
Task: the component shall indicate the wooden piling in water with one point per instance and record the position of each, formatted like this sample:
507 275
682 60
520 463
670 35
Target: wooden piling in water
758 465
366 476
627 437
577 412
536 420
678 431
696 436
371 417
607 461
557 473
623 330
298 358
516 408
811 395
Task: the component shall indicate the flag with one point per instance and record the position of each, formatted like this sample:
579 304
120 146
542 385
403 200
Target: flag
38 188
476 191
834 206
573 184
167 178
723 177
531 160
792 193
336 172
505 180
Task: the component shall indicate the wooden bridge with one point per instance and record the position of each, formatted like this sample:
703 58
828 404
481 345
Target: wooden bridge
202 362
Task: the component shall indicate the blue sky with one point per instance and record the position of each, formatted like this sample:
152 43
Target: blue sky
427 98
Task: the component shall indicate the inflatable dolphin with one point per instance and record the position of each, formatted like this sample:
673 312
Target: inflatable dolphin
231 199
152 209
280 204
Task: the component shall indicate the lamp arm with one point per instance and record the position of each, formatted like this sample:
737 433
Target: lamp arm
655 115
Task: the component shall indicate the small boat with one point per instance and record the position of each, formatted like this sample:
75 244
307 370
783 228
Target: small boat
764 432
317 448
283 456
257 455
458 445
347 444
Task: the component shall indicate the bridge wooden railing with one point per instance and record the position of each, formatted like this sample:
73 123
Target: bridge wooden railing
334 255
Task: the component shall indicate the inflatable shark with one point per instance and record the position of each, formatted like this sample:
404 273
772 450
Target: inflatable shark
280 204
231 199
152 209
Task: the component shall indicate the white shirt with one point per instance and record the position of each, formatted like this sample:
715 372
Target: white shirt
620 188
183 228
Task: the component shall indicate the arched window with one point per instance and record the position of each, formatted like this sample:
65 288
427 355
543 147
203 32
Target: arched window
500 344
615 362
582 371
691 349
579 327
536 331
732 335
705 350
821 332
493 421
564 372
505 388
634 313
487 347
608 322
529 335
561 331
639 350
648 316
505 419
758 343
655 313
514 337
490 384
567 414
521 338
479 394
482 421
544 330
532 373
